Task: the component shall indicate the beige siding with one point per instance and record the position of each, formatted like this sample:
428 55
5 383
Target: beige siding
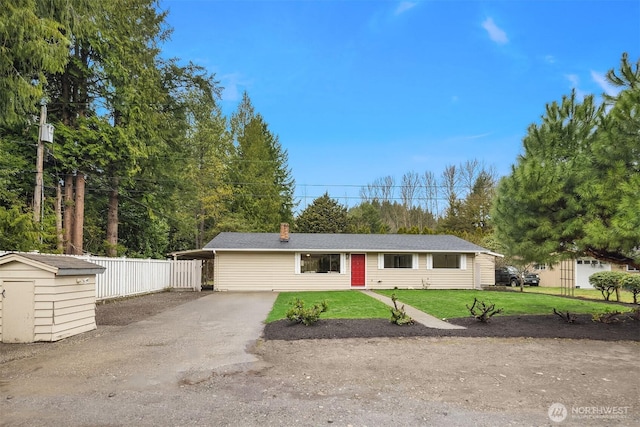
487 264
407 278
16 270
271 271
251 271
549 277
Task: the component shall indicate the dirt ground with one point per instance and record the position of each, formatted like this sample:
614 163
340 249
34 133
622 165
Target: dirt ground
409 376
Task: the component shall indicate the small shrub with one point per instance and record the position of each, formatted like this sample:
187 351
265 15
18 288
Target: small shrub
398 315
307 316
617 316
610 317
607 282
567 317
631 283
482 311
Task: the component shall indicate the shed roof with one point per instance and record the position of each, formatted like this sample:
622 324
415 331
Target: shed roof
60 265
343 242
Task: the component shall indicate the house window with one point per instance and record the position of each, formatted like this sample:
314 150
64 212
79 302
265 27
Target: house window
397 261
320 263
539 266
455 261
446 260
630 268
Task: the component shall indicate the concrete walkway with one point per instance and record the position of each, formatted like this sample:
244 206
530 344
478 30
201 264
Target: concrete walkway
419 316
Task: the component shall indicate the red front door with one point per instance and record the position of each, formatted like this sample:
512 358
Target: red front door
358 264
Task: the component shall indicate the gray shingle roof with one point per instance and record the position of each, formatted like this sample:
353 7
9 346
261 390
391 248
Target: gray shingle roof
343 242
66 265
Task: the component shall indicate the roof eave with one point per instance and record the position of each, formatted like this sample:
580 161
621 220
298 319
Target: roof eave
458 251
79 271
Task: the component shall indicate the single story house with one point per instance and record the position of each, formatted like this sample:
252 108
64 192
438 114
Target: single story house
305 261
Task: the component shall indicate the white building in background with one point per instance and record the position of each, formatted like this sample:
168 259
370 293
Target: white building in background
575 272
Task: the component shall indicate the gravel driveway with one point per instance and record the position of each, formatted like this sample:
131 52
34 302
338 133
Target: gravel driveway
187 365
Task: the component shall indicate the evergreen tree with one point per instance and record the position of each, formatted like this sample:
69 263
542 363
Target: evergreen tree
323 215
32 45
575 189
365 219
262 183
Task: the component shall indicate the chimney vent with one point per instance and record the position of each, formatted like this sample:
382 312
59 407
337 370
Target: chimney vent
284 232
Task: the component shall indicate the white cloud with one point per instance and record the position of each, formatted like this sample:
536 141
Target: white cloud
601 80
573 79
405 6
575 82
231 83
550 59
495 33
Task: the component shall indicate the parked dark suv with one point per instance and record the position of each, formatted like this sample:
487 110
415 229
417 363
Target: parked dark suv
511 276
508 276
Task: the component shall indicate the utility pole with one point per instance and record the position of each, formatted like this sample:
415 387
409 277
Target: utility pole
45 134
38 194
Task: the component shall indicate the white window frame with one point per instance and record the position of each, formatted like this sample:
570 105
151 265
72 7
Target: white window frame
414 261
298 266
462 261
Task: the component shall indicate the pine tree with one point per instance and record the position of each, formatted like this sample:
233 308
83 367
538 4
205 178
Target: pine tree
323 215
262 183
575 189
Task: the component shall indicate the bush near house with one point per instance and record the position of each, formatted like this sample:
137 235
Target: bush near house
306 315
631 283
607 282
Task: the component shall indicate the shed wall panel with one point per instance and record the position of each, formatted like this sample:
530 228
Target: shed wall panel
74 302
66 289
64 297
73 331
14 270
67 326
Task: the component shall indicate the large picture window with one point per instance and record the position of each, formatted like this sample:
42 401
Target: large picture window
319 263
398 261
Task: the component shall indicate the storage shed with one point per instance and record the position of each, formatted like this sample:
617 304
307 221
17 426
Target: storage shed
46 297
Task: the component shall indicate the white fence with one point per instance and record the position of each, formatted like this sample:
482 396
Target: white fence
130 276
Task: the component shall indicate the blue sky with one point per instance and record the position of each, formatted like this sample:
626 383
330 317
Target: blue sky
357 90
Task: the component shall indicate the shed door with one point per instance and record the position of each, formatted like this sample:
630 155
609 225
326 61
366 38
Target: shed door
357 269
17 312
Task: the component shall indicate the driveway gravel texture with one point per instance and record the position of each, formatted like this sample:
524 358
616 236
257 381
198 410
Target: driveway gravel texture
179 359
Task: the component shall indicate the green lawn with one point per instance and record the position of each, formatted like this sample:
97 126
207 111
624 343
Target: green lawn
449 304
342 305
625 296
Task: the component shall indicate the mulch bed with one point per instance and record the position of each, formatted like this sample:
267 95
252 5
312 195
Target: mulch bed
500 326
